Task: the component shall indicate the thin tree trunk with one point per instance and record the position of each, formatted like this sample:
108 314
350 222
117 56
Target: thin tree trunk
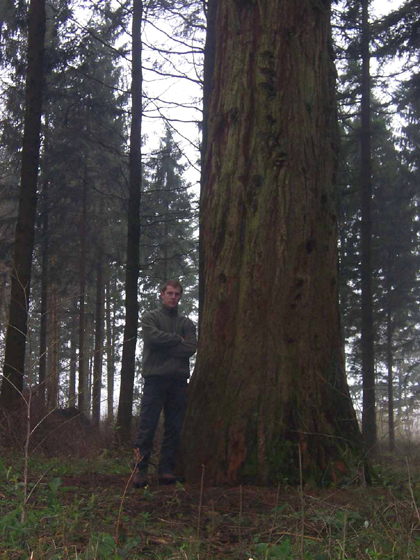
391 425
89 350
165 243
44 298
110 353
14 362
52 384
400 401
83 373
4 297
367 336
269 384
73 357
99 329
133 236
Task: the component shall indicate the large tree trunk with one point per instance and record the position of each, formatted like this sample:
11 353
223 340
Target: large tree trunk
270 375
14 361
367 337
209 58
133 237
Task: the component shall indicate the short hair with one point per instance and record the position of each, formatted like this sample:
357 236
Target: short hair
173 283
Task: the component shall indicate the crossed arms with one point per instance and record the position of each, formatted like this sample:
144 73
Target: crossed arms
171 344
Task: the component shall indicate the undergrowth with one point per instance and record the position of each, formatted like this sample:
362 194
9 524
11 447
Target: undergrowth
85 509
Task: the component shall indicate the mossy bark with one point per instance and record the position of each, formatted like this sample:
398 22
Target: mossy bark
270 374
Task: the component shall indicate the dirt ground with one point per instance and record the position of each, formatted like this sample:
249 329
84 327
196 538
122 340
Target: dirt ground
230 521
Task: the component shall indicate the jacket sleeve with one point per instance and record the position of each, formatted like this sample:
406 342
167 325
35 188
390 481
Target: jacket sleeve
188 346
155 337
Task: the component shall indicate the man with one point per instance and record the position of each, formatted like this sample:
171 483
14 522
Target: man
169 342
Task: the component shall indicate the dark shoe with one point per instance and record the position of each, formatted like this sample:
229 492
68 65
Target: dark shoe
140 480
169 478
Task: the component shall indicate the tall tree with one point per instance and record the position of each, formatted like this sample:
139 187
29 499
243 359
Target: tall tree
356 37
133 234
110 351
83 397
269 385
209 59
82 168
99 327
25 228
44 295
73 326
396 265
54 343
168 248
394 260
367 332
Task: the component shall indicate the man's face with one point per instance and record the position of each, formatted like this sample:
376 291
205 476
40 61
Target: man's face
170 297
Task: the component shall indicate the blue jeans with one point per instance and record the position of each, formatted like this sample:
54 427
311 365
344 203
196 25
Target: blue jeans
167 392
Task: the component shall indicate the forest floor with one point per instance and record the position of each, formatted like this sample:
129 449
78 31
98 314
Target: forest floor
88 509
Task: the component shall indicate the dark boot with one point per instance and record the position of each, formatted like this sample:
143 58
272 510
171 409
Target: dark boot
169 478
140 480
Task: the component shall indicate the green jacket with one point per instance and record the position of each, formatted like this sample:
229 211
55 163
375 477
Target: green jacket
164 352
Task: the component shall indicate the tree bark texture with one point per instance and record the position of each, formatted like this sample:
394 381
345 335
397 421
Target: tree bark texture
209 56
270 373
125 405
14 362
367 330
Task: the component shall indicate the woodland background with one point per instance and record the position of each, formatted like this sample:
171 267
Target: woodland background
79 263
101 143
